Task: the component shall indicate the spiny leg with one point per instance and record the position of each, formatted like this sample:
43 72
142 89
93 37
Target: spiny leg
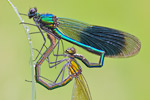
37 49
62 46
46 79
57 62
49 31
57 53
43 39
37 32
63 74
62 70
37 69
62 50
23 14
28 23
50 53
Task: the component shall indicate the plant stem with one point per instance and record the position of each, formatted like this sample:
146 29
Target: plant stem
32 55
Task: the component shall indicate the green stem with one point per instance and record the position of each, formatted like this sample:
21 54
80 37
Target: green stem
32 55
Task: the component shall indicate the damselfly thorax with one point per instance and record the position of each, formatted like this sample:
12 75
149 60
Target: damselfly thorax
74 68
48 21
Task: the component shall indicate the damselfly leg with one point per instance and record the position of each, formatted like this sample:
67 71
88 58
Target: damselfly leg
42 33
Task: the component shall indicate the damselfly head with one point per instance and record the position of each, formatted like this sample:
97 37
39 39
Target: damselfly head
32 12
71 51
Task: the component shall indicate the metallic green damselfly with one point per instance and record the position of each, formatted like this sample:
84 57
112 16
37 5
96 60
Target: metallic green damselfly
98 40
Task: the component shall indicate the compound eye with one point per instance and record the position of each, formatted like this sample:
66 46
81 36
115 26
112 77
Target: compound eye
33 10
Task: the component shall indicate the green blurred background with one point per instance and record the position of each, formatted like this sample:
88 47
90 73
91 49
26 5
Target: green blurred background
118 79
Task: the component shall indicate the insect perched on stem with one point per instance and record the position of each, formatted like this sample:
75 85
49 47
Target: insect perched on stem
95 39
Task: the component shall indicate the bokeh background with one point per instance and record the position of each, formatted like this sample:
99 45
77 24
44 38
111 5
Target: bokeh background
118 79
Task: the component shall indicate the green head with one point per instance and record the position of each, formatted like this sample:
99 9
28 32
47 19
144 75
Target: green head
71 51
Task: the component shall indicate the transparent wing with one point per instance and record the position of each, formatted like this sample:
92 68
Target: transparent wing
81 89
115 43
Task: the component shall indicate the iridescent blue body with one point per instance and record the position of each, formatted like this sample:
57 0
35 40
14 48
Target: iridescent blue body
49 21
95 39
98 40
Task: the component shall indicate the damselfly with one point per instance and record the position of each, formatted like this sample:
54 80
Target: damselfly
81 89
95 39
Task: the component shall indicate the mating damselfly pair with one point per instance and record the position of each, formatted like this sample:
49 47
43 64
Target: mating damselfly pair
102 41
